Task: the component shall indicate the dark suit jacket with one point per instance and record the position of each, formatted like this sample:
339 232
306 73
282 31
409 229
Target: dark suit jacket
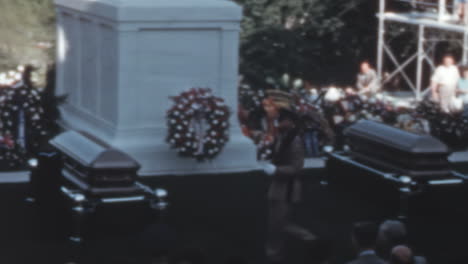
289 160
368 259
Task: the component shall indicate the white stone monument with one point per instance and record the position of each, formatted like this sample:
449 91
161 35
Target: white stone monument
120 60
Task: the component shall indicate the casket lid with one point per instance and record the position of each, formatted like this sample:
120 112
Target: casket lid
396 138
92 153
157 10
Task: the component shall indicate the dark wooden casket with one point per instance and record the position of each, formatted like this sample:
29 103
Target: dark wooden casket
397 151
94 167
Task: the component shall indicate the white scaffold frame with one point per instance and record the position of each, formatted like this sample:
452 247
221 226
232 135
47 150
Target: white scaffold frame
427 24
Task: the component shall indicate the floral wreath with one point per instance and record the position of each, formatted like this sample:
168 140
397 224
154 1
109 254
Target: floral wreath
21 123
198 124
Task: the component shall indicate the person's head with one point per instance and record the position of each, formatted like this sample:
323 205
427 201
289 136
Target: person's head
364 235
401 255
287 121
365 67
448 60
464 72
390 234
271 109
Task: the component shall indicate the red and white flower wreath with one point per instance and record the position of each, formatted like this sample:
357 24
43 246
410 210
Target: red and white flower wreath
198 124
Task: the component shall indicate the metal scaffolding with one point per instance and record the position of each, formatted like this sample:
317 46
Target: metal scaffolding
434 21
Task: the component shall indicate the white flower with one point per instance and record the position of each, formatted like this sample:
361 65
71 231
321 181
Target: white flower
298 83
177 136
332 95
173 121
215 122
285 79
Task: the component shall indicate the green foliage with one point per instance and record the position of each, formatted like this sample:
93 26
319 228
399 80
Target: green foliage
319 41
25 26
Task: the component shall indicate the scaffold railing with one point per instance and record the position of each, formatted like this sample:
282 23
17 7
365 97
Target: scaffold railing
443 9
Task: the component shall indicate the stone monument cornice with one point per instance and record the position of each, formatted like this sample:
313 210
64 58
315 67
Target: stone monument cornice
157 10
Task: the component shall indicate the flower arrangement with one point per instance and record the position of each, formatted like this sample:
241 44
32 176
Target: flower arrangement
198 124
255 124
21 117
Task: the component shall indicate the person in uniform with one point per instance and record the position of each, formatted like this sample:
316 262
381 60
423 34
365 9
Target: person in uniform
285 187
444 84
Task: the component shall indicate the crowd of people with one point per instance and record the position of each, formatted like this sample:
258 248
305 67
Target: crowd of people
449 84
387 243
340 107
292 140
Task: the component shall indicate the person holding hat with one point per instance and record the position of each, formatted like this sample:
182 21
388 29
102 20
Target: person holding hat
285 187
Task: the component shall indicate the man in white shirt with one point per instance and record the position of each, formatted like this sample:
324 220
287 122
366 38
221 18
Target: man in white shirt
444 84
367 80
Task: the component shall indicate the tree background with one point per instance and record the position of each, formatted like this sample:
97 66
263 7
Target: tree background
27 31
319 41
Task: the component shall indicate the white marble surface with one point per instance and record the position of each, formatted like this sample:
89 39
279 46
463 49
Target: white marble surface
120 60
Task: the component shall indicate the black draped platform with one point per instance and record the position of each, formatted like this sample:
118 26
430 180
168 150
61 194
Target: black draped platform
224 216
